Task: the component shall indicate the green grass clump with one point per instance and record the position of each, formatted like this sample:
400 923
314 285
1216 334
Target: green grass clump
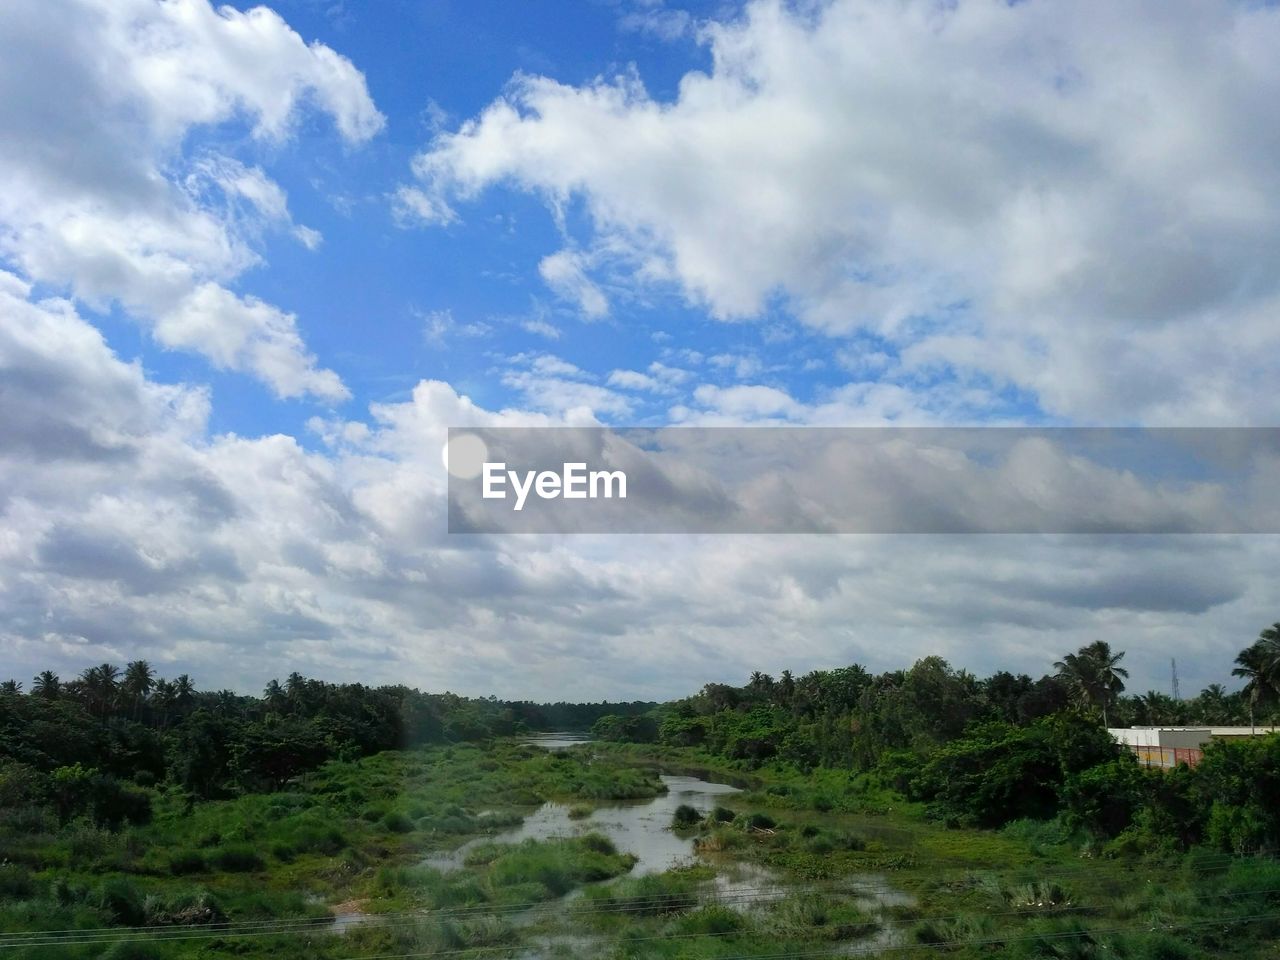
685 817
558 865
183 862
649 895
235 858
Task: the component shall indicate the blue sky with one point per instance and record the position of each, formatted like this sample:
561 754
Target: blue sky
254 261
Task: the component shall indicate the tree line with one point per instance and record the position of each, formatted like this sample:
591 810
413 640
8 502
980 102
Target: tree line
988 751
95 744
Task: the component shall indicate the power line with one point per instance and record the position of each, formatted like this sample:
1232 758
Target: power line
380 921
847 885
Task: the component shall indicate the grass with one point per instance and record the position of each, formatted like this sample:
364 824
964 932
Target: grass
848 861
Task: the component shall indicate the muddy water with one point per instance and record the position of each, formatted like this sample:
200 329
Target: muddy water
639 827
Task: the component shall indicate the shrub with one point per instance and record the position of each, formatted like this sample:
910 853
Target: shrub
715 920
119 899
183 909
236 859
15 882
761 821
186 861
598 843
130 951
283 852
685 816
397 822
723 815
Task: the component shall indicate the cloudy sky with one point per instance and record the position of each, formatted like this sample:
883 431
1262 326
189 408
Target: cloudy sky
255 261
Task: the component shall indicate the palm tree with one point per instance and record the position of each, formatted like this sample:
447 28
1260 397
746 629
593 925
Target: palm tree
184 691
1259 667
1157 707
1093 675
1211 705
46 685
273 693
139 678
101 684
10 688
163 697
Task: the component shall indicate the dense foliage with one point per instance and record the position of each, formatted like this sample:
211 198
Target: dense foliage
985 752
88 747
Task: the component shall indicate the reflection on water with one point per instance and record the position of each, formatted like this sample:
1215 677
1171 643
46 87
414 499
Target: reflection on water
557 740
639 827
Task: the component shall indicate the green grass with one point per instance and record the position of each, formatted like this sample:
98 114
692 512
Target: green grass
359 831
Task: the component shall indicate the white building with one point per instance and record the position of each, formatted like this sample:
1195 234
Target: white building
1169 746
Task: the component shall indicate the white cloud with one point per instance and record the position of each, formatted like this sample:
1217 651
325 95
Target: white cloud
440 325
1064 187
131 532
565 273
635 380
98 101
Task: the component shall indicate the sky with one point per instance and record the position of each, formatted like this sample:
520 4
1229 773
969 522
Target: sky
254 262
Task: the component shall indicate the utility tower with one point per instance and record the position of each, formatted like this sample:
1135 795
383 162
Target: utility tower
1177 695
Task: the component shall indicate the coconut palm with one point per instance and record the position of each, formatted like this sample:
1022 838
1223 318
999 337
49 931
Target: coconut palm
101 685
1093 676
1211 705
163 698
46 685
184 692
138 681
1259 667
10 688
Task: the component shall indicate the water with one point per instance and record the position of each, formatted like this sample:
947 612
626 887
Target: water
643 829
639 827
557 740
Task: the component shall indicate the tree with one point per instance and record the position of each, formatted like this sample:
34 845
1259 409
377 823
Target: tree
139 679
1093 676
101 684
10 688
184 692
46 685
274 694
163 698
1259 666
1211 706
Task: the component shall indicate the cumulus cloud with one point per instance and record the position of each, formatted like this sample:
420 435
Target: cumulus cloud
1081 203
98 101
131 531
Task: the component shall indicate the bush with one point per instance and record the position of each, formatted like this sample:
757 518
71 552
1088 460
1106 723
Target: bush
1102 800
598 843
119 899
184 862
397 822
130 951
15 882
685 817
183 909
236 859
761 821
723 815
284 852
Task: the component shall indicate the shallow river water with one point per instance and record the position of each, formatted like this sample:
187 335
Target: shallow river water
639 827
643 829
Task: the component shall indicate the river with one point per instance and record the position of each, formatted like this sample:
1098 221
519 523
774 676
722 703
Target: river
643 829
